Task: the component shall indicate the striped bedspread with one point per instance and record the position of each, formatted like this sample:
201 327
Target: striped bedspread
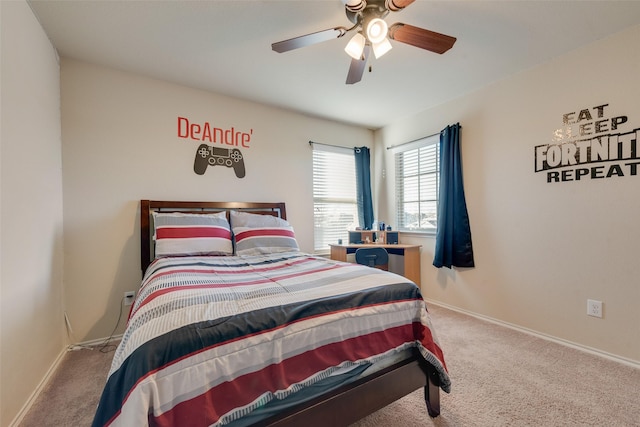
210 339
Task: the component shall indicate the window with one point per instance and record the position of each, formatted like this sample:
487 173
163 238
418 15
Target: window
417 182
335 209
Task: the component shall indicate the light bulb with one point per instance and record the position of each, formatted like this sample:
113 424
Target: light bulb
381 48
376 30
355 47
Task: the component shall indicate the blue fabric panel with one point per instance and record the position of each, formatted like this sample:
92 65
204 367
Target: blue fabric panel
453 238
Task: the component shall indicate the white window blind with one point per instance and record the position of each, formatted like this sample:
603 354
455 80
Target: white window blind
334 195
417 182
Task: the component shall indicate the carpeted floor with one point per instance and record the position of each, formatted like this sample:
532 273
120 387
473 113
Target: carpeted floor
500 377
71 396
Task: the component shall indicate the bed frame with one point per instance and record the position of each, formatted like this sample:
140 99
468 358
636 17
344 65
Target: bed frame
348 403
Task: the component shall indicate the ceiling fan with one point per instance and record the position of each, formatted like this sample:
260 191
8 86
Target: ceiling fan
372 34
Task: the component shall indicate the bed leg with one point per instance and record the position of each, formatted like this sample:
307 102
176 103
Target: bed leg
432 394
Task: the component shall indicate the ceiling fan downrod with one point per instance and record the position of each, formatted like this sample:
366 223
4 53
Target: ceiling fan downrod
356 6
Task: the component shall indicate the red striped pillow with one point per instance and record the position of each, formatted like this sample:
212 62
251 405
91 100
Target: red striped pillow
178 234
264 240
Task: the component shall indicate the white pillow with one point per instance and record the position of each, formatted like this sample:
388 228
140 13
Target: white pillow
181 234
245 219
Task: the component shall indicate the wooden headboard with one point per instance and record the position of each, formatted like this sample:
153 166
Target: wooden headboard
147 207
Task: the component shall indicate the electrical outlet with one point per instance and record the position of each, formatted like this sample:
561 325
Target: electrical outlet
129 297
594 308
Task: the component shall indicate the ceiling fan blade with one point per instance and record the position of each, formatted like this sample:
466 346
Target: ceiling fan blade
356 69
308 39
396 5
419 37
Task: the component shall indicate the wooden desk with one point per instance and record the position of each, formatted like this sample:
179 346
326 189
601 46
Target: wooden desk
410 253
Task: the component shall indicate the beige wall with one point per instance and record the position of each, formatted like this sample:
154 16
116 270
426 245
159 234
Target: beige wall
32 333
121 144
541 249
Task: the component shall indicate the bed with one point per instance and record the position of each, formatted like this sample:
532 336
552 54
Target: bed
234 325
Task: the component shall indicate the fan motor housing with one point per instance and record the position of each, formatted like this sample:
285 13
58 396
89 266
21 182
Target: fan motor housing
366 10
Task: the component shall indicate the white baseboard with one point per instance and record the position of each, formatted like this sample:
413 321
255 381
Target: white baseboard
94 343
587 349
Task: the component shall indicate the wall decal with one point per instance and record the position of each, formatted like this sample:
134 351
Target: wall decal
206 132
216 156
212 155
590 145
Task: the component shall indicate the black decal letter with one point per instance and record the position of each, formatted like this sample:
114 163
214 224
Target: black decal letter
601 126
584 115
585 129
567 117
614 170
567 175
633 168
617 121
581 172
596 172
600 109
541 157
554 155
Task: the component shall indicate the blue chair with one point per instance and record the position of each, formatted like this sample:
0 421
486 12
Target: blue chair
373 257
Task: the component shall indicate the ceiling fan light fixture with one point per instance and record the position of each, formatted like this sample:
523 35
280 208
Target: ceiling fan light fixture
355 47
377 30
367 17
381 48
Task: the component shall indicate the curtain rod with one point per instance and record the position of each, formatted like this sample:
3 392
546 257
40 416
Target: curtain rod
413 140
330 145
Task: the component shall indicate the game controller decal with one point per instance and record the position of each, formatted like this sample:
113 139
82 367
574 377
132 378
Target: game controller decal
207 155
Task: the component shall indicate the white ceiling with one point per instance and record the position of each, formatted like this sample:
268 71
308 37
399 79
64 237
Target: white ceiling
225 47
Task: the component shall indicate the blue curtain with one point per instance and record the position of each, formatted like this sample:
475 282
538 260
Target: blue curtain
453 238
363 187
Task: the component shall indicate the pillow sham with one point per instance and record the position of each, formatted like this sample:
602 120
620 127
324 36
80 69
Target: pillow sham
245 219
264 240
181 234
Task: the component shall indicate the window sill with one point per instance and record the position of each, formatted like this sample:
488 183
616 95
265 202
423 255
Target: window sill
418 233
